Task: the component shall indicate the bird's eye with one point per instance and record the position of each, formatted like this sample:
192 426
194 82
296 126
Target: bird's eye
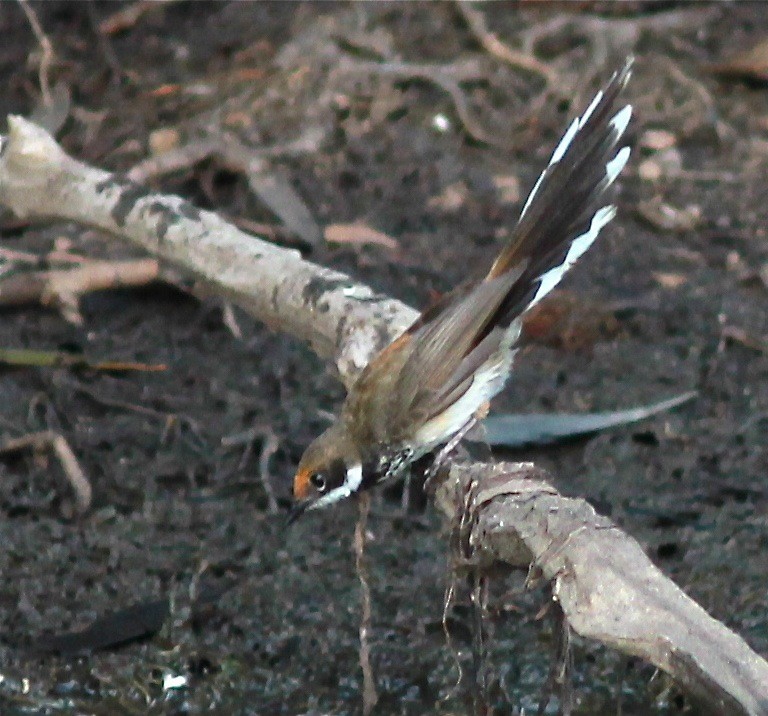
318 481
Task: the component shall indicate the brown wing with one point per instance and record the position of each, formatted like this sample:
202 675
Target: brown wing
404 383
446 352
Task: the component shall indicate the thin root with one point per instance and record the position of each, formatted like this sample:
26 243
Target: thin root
495 47
47 48
370 697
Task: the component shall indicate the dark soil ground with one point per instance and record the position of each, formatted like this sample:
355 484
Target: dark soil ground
264 621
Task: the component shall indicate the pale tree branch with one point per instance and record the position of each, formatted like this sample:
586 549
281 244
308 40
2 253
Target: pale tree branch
604 582
338 317
607 587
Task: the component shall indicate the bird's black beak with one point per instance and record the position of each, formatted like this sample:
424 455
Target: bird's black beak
296 511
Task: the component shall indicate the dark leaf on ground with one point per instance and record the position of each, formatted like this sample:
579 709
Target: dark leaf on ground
124 626
514 431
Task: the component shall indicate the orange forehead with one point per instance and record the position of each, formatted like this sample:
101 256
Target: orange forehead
301 486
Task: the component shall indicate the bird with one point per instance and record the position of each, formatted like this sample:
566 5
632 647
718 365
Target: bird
432 384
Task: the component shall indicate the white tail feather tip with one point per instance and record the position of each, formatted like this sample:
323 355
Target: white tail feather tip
565 142
615 166
621 120
588 112
580 244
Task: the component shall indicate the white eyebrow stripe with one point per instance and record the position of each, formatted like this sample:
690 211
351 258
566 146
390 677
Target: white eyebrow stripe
354 477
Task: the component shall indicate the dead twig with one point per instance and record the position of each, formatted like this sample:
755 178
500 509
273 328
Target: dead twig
126 17
479 600
360 234
62 288
273 191
104 44
520 518
370 697
47 49
447 78
230 320
59 255
50 440
448 602
226 148
32 358
619 32
560 678
495 47
608 588
695 87
269 447
270 444
174 160
121 404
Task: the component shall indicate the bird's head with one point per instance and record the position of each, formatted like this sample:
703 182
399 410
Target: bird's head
330 470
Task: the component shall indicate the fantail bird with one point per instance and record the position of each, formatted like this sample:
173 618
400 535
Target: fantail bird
430 385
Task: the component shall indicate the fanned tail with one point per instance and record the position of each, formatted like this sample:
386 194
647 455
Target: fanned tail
569 204
458 354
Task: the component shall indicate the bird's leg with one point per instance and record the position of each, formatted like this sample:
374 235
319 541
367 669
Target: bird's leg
413 481
405 500
445 451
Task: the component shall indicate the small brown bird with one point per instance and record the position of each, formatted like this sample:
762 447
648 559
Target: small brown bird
429 386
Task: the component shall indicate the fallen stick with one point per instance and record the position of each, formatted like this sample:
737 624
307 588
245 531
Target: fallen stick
49 440
55 286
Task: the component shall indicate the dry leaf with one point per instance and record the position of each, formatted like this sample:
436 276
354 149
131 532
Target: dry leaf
666 217
451 198
238 120
163 140
276 192
669 280
657 140
570 322
751 64
508 187
126 17
358 233
740 336
664 163
650 170
166 90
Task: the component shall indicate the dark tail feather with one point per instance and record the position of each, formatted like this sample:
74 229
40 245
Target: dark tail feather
569 204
